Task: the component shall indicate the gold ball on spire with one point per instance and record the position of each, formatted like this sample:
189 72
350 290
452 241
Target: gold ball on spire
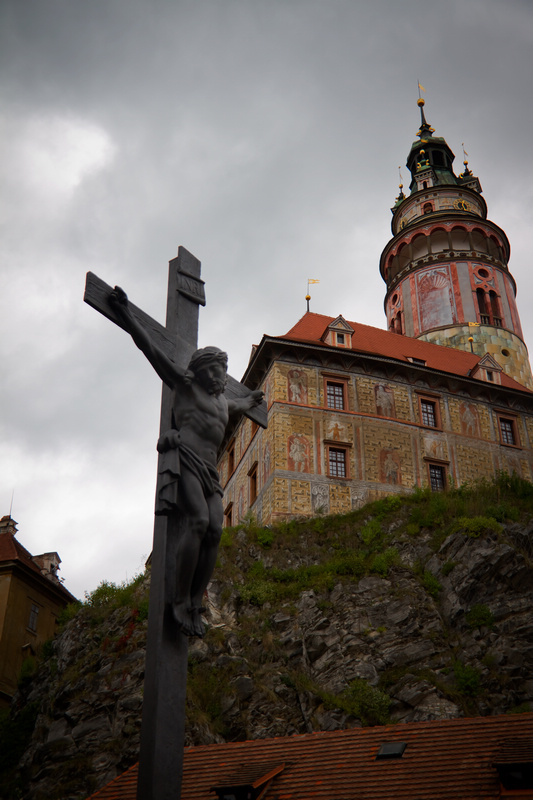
421 102
307 296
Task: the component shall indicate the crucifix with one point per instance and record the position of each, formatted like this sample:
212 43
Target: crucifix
197 399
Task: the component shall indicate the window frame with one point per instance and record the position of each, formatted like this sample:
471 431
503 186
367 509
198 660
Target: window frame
434 400
228 516
33 618
253 483
340 381
442 467
231 457
512 420
339 448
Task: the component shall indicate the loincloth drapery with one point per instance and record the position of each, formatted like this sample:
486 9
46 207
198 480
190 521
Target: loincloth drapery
171 463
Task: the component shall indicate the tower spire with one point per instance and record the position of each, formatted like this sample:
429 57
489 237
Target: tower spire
446 267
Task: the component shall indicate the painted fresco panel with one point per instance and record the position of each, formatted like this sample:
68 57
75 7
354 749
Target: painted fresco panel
435 298
298 450
297 386
384 400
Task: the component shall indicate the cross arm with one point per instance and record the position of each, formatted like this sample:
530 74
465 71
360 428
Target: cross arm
97 296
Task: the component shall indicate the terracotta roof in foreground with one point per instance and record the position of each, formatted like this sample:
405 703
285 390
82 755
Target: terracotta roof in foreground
446 759
376 341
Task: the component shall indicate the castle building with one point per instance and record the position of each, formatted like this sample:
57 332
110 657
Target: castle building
443 397
31 598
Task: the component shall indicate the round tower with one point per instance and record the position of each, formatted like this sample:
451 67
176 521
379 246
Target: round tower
446 265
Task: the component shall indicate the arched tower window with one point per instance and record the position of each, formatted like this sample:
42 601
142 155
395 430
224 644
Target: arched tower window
460 239
495 309
398 323
419 247
482 305
403 256
479 241
439 241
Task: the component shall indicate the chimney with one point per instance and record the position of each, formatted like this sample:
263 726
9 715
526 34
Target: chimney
8 525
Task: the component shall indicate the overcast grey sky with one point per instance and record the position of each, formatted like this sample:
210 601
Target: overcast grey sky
263 135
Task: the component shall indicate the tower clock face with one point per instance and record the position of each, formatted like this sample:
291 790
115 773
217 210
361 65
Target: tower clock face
462 205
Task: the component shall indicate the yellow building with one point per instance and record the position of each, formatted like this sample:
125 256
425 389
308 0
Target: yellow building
442 397
31 598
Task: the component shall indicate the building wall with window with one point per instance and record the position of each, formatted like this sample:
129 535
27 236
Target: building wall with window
349 427
31 599
444 396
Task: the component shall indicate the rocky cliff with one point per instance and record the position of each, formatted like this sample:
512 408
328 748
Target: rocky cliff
412 608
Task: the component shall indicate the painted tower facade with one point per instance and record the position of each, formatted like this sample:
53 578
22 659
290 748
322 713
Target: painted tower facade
446 267
443 397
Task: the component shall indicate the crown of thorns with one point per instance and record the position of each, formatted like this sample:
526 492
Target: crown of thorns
206 355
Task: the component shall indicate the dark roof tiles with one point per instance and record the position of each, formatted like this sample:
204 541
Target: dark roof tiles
449 759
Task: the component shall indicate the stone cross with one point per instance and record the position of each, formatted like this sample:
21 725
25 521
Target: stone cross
165 682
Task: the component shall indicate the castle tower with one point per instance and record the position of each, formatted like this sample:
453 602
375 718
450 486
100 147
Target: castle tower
446 267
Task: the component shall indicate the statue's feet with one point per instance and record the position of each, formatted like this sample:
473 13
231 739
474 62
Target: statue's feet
183 619
197 622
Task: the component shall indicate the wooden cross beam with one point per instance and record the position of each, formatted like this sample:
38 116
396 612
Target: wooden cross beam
176 346
165 683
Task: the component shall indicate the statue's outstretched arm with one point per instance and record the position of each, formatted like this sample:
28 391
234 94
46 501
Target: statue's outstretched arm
167 370
241 404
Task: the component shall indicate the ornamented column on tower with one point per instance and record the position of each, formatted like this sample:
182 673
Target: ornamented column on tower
446 267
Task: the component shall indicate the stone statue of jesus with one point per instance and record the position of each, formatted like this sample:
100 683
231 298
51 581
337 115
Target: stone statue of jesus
188 481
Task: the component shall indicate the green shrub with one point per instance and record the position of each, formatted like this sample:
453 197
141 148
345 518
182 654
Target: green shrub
480 616
476 526
368 704
447 567
382 562
467 679
226 539
431 584
68 613
371 531
265 537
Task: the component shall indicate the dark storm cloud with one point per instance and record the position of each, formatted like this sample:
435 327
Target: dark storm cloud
265 137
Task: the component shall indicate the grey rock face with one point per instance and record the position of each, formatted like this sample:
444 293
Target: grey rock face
323 660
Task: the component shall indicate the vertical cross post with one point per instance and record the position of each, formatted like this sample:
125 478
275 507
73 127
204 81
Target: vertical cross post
165 681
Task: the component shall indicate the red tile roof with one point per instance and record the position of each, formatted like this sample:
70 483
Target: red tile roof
12 550
446 759
366 339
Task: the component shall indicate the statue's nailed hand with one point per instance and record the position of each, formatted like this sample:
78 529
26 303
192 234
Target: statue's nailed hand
118 299
256 398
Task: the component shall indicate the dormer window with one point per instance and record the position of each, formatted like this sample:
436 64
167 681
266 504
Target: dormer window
338 333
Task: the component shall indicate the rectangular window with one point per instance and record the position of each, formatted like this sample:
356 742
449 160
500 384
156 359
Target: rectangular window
231 458
34 613
428 412
228 516
335 395
340 338
337 462
252 475
508 431
437 477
